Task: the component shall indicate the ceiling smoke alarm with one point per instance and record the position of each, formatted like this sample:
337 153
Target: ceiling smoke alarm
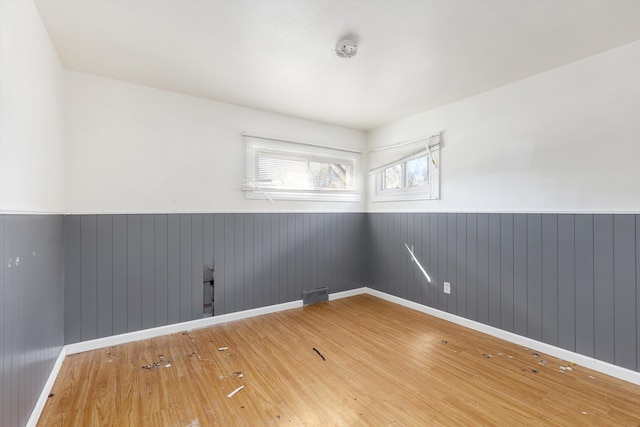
346 48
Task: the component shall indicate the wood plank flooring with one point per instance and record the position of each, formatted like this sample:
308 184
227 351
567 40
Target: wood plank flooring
385 365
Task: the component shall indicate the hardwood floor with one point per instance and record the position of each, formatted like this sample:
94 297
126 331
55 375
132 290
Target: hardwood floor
385 365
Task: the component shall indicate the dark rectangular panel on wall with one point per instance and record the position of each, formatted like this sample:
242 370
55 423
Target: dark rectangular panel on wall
173 261
31 308
73 281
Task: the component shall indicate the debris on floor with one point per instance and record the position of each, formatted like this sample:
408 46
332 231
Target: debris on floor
543 362
157 364
591 377
535 371
486 356
534 354
223 348
238 374
319 354
445 342
51 394
235 391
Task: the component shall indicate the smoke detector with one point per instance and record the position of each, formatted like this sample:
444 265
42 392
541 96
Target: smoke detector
346 48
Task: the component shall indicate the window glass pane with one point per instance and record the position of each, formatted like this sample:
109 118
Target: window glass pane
417 172
328 175
283 173
393 177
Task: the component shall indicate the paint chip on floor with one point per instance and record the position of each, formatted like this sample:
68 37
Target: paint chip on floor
223 348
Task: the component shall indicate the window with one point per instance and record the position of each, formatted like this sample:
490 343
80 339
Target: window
279 169
408 171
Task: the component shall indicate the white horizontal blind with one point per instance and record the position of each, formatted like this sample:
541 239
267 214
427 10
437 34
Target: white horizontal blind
385 157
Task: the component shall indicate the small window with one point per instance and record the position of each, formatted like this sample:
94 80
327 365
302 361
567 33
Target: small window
287 170
407 171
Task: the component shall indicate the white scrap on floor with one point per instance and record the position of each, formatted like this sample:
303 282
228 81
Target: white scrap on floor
235 391
223 348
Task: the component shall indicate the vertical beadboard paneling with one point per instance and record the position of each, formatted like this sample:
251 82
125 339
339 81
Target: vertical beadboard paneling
494 270
134 273
173 268
506 272
534 276
72 289
472 266
88 277
584 284
104 273
120 261
161 270
550 279
185 267
32 315
148 271
483 268
603 287
197 266
461 266
624 256
452 270
566 282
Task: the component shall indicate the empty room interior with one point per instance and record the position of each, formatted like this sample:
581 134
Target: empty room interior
319 212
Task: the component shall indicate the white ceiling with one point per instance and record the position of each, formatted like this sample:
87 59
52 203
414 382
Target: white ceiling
277 55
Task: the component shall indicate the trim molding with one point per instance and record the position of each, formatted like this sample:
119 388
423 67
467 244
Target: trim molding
581 360
46 390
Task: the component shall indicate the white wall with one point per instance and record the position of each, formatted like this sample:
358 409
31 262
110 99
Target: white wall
131 148
31 113
564 140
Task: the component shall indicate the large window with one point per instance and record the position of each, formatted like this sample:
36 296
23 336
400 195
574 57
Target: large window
408 171
287 170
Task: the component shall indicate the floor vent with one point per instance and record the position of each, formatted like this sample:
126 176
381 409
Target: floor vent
315 295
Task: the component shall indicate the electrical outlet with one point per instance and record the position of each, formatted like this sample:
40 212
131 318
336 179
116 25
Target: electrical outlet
447 287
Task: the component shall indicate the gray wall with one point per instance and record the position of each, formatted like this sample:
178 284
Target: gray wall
31 310
130 272
572 281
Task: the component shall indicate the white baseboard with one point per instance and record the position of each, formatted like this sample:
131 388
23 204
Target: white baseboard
46 390
570 356
194 324
589 362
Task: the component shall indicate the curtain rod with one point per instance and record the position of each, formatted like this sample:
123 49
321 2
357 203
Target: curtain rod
347 150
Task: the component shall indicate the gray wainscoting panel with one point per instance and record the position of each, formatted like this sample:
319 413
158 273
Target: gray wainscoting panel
130 272
31 310
572 281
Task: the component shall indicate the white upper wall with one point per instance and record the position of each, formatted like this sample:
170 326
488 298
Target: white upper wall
131 148
31 113
567 140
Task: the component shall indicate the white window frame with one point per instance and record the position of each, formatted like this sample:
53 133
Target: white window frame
429 147
257 146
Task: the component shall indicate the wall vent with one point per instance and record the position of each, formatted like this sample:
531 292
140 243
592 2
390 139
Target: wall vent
315 295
